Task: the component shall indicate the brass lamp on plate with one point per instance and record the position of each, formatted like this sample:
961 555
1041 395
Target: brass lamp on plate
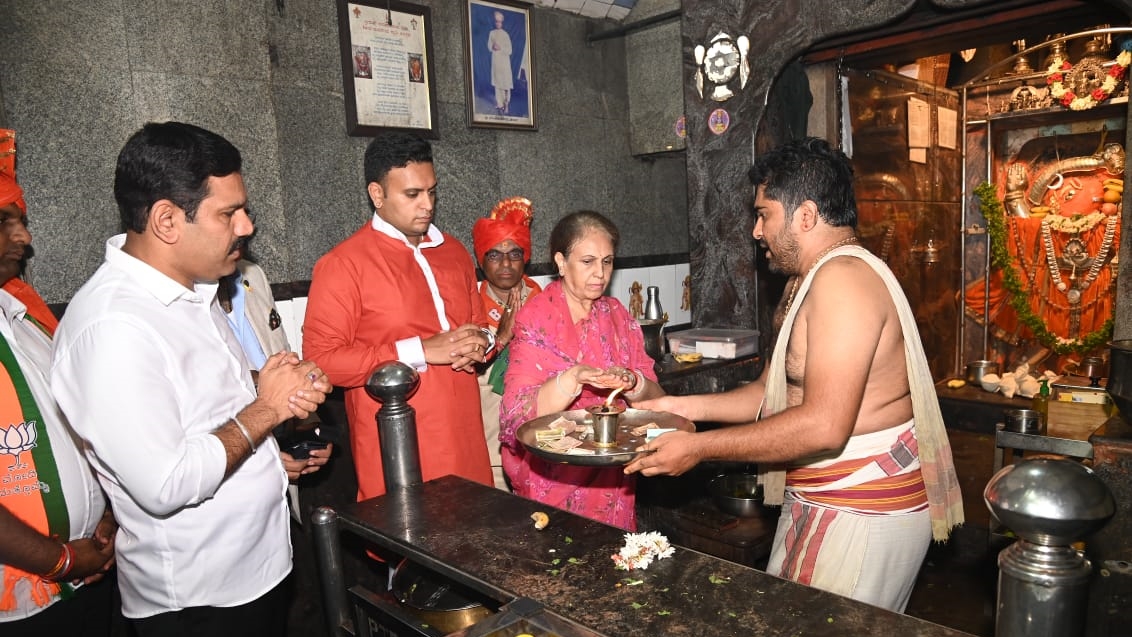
622 451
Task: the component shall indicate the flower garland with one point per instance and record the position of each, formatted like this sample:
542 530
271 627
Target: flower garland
1020 297
1056 80
1075 224
641 549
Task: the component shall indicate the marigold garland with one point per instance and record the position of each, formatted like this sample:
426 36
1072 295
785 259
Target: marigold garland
992 210
1071 100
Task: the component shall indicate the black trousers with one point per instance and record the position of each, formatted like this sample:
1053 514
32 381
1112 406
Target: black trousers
264 617
90 613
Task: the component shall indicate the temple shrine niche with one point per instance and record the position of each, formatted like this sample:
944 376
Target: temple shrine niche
1045 174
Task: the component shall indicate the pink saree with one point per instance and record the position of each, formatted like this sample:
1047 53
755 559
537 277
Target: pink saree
547 342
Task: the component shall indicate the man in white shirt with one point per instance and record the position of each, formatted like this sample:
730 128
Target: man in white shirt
152 378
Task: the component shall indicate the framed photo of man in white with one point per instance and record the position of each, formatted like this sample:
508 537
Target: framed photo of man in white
500 68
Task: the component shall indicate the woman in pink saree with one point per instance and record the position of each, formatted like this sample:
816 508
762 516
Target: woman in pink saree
572 346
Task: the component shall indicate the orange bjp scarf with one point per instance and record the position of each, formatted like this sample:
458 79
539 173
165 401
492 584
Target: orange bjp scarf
30 487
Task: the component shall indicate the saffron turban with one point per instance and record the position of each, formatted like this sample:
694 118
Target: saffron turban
10 192
510 219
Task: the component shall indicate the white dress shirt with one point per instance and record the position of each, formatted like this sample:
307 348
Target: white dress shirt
85 504
146 369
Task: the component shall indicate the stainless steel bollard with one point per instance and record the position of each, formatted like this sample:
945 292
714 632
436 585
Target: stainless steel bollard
1042 591
392 383
1042 580
328 552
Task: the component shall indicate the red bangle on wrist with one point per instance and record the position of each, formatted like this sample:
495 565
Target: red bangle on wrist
63 566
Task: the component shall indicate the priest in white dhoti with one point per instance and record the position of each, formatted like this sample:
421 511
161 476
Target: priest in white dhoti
844 423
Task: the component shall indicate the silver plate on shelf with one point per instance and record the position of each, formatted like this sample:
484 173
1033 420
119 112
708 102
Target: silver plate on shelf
621 453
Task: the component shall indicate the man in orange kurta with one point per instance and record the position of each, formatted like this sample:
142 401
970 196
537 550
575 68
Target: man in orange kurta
400 289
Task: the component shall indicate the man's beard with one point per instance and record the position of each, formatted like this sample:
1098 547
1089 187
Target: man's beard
784 256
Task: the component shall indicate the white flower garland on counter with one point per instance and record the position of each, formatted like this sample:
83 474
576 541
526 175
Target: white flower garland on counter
641 549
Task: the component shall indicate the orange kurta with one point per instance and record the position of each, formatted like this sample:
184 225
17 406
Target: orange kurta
368 293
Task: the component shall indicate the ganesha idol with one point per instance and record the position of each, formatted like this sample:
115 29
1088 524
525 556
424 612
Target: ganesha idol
1062 231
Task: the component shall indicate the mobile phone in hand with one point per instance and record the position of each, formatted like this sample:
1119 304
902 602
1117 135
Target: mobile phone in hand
302 450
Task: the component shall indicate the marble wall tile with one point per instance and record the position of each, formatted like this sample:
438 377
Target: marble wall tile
68 131
295 326
468 173
208 38
583 80
234 108
322 186
67 37
449 51
303 47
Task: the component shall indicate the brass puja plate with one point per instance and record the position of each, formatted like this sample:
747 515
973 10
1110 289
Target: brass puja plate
623 452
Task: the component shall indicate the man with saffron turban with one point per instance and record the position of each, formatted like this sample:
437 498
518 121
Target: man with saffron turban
12 195
502 243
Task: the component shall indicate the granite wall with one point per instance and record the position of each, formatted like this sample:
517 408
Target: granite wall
76 79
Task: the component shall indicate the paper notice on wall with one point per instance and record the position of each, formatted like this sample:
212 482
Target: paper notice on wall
846 129
919 123
948 127
918 155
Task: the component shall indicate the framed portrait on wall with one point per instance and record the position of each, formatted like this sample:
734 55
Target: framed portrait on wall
387 71
500 68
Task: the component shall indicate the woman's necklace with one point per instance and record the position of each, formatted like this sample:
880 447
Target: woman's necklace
798 279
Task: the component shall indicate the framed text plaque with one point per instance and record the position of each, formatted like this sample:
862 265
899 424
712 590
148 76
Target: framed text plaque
387 70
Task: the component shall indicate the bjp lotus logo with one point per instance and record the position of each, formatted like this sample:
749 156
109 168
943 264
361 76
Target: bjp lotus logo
17 439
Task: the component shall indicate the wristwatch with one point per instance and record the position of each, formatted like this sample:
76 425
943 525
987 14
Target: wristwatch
490 340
